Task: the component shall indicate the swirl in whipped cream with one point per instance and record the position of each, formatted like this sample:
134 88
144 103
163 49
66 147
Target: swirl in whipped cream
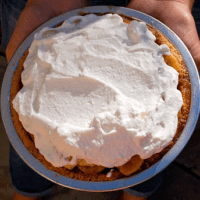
98 90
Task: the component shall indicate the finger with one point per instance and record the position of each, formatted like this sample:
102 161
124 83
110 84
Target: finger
145 6
195 52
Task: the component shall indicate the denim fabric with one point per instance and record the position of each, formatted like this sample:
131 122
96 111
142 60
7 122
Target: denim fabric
11 10
24 179
109 2
196 15
147 188
197 4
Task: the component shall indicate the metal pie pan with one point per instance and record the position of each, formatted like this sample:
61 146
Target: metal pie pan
106 185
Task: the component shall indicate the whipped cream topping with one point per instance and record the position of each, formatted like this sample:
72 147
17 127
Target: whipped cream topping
98 89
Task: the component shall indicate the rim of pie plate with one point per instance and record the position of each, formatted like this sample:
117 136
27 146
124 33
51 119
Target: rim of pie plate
120 183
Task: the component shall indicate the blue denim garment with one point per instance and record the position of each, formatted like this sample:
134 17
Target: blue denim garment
11 10
25 180
196 15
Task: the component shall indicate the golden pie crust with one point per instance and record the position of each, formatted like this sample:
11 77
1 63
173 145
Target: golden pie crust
99 173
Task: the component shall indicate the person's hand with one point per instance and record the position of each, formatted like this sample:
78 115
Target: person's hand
176 14
35 13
